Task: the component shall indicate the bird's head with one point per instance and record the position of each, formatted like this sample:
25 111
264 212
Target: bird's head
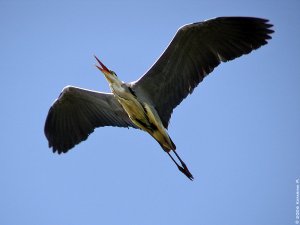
110 75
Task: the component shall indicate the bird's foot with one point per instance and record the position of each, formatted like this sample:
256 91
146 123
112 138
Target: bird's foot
183 168
185 171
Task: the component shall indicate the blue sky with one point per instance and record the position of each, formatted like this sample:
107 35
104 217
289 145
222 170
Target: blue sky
238 132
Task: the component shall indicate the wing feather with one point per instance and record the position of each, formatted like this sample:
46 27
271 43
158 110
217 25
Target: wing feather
194 52
77 112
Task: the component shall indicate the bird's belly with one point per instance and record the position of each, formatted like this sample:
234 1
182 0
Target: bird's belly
134 110
148 120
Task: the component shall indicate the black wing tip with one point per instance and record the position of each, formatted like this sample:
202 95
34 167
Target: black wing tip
242 18
58 150
261 27
249 19
265 23
257 22
65 146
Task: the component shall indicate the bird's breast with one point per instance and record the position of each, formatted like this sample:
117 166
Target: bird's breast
131 105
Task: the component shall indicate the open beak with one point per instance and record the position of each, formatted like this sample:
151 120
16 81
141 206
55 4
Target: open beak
102 67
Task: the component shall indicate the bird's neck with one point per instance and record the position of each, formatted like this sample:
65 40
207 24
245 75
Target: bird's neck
117 87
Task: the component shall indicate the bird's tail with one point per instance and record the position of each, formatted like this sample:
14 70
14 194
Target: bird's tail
173 145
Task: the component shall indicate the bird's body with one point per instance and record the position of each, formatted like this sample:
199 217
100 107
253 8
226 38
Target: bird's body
146 118
141 113
148 103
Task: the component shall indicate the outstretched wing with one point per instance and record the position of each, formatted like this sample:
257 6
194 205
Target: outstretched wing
193 53
77 112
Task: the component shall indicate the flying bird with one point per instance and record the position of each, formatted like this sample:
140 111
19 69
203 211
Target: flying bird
147 103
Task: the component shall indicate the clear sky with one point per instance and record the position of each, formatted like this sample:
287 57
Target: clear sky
239 132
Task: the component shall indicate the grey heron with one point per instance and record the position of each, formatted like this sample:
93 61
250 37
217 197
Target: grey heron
148 102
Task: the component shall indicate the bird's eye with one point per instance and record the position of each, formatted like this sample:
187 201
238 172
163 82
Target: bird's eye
113 73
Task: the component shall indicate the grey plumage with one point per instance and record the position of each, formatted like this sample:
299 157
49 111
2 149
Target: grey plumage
77 112
193 53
